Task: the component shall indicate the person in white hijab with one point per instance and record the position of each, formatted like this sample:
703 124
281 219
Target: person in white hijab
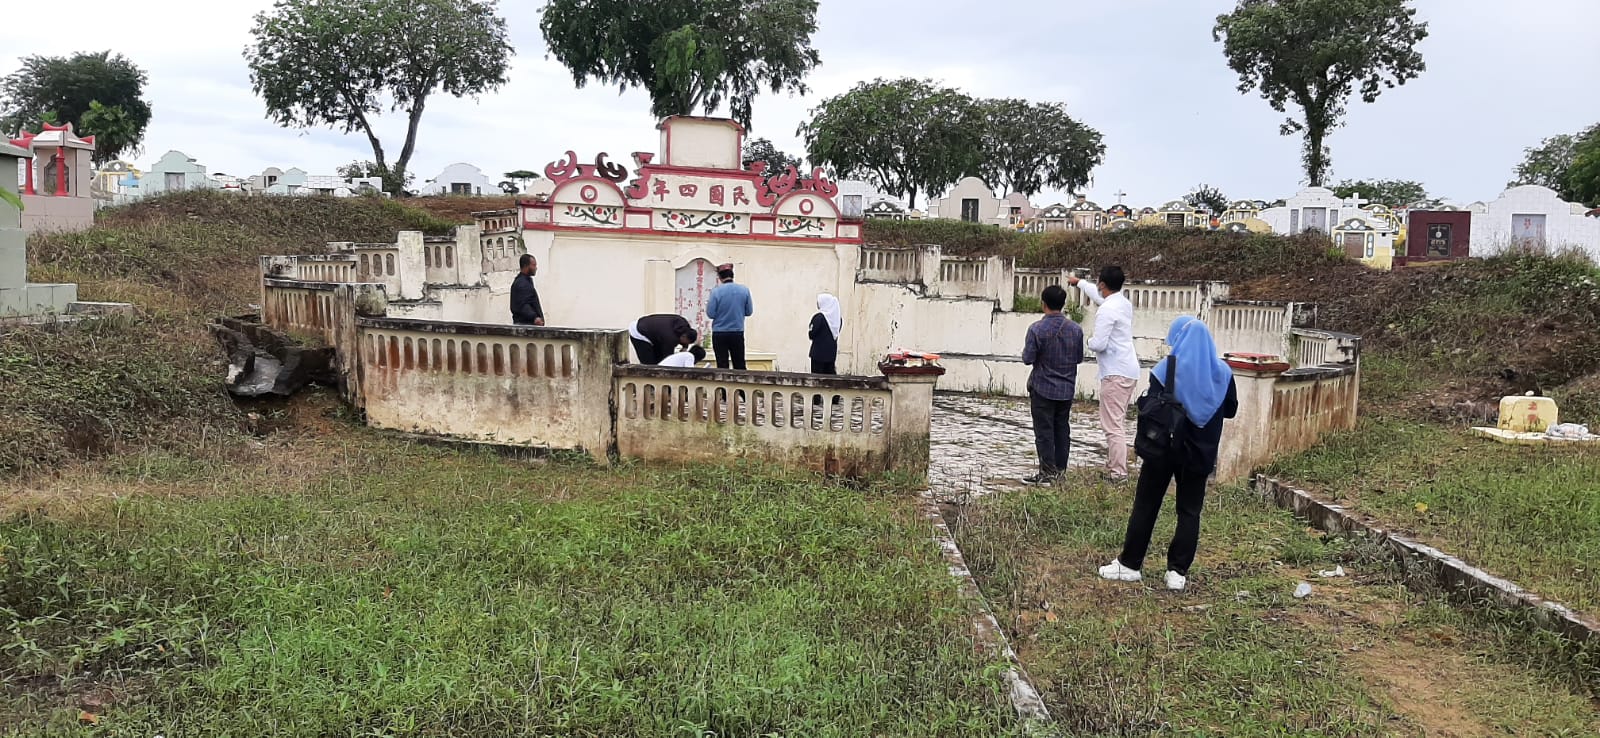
825 328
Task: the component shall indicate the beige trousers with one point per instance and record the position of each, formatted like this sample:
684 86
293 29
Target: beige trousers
1115 395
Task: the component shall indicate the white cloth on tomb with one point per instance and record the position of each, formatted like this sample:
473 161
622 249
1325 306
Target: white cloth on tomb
682 359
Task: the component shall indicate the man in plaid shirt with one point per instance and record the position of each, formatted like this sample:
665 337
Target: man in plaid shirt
1054 349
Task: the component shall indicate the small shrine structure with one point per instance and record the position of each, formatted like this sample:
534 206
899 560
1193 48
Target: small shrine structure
18 298
615 248
57 182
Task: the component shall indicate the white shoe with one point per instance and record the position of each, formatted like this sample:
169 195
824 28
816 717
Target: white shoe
1176 581
1116 572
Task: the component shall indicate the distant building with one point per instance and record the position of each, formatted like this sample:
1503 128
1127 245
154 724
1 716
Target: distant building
460 179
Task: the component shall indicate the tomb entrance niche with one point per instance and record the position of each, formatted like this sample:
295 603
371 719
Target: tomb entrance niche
693 284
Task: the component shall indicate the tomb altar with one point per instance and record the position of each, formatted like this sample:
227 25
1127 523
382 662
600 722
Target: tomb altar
18 298
57 184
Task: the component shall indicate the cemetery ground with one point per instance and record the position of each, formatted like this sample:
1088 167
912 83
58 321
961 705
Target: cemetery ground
158 540
331 580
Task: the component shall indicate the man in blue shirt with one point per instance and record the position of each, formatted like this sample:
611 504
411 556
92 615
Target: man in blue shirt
728 307
1054 348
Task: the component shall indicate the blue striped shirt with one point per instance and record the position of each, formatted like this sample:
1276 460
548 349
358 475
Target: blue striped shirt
1054 349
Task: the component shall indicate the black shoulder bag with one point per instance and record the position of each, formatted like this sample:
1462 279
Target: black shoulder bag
1159 432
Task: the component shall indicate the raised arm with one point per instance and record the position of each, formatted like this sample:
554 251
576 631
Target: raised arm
1090 290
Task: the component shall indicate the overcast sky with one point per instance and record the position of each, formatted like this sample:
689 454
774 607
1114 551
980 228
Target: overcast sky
1145 73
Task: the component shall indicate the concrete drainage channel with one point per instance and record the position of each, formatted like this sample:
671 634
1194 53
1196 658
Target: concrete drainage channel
1025 698
1427 563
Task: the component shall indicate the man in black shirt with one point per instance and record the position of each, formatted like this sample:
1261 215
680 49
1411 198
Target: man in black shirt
525 309
655 337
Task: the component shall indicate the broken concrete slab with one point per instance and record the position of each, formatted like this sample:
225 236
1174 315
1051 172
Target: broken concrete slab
262 361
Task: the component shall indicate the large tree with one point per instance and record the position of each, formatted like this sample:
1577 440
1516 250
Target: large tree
761 149
906 136
1029 146
341 64
1395 193
1315 54
1208 198
1582 181
100 94
689 55
1549 163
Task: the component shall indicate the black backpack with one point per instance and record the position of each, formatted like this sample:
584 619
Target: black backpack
1159 433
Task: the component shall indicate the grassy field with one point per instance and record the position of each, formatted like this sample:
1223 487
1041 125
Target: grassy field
336 582
1237 654
1531 515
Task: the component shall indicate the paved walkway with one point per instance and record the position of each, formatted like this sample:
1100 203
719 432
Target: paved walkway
983 444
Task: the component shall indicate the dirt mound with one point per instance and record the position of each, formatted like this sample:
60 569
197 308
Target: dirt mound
459 208
197 252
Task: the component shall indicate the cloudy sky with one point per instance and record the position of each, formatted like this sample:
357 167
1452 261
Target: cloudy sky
1146 73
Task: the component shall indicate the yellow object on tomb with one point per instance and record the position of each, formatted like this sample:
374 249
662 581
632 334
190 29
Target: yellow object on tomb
1527 414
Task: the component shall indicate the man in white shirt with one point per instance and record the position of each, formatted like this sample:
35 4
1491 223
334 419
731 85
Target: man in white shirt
1112 344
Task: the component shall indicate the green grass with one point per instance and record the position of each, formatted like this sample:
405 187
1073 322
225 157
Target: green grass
1528 514
355 586
1236 654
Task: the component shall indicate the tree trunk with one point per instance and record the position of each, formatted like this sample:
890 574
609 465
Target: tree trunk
911 199
397 177
1316 158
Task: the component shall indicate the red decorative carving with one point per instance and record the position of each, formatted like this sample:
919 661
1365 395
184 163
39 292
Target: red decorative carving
562 169
776 187
659 189
589 193
739 196
609 171
688 190
716 194
806 206
567 167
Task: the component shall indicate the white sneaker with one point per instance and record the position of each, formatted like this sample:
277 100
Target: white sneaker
1176 581
1116 572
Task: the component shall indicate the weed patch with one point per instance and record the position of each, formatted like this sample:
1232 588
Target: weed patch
411 589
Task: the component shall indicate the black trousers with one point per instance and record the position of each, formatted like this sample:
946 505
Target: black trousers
646 351
1154 477
1052 432
729 348
824 367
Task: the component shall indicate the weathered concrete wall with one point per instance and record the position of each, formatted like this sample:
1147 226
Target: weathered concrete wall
1283 413
502 384
42 214
839 425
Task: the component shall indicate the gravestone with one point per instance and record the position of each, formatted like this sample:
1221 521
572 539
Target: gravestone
18 298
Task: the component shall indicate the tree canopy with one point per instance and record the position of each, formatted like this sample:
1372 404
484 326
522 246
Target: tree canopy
1208 198
523 178
1030 146
1395 193
906 136
340 64
101 94
691 56
1582 180
761 149
1551 163
1315 54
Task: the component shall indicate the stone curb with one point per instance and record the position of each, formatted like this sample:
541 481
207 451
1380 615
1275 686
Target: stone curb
1024 697
1454 575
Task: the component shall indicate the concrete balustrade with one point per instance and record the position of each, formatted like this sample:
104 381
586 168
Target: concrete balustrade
502 384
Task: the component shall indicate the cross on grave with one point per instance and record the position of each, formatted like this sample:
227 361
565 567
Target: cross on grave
1120 194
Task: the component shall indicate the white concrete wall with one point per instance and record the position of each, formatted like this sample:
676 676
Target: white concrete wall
1565 225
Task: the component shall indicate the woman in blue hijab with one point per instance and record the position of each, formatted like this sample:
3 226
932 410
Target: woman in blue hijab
1203 383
